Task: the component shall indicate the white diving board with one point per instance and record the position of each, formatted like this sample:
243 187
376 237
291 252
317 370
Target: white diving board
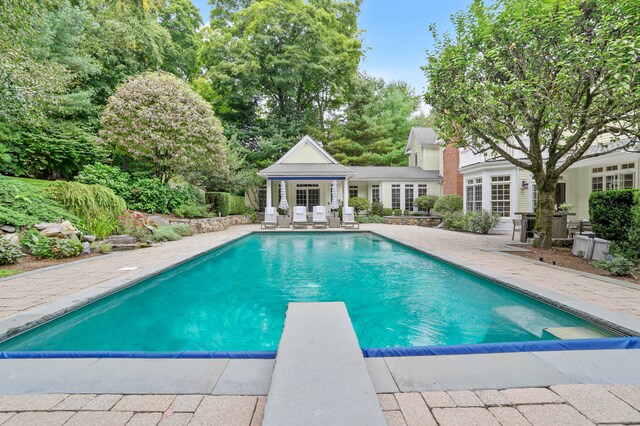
320 377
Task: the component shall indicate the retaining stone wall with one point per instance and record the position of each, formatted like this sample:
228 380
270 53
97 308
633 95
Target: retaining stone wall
428 221
212 224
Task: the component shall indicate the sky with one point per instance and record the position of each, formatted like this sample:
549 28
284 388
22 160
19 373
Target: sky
396 35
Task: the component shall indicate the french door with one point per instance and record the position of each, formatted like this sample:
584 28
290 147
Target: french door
308 195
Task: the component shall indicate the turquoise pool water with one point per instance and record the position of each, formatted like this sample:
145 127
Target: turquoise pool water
235 299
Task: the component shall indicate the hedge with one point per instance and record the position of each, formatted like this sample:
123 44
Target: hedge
226 203
610 213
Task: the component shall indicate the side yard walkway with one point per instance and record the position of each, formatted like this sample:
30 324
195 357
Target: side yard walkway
558 405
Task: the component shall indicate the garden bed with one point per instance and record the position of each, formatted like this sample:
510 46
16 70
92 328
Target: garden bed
31 263
563 257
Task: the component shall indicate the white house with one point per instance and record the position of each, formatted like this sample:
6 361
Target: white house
496 185
308 171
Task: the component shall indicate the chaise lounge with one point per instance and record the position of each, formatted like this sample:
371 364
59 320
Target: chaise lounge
319 217
299 217
348 218
270 218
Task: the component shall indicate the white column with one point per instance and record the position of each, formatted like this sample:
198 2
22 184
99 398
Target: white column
269 193
345 187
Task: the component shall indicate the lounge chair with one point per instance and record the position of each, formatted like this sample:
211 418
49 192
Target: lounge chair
319 217
270 218
299 217
348 218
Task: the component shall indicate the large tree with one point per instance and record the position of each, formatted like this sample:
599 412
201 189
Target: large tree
539 82
156 117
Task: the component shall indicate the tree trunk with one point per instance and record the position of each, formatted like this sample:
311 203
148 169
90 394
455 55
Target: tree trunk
544 214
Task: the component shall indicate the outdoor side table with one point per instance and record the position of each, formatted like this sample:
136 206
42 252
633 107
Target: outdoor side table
334 222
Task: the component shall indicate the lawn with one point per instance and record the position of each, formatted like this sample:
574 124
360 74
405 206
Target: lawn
8 272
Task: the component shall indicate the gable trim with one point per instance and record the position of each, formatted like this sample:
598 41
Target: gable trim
307 140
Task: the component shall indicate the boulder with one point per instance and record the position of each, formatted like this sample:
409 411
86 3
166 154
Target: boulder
45 225
86 248
67 227
121 239
158 221
53 231
8 228
88 238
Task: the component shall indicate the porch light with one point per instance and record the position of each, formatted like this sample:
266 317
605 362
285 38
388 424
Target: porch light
525 184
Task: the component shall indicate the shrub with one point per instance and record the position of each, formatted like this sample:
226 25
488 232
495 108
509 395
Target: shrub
387 211
248 211
8 252
22 204
377 209
426 202
109 176
610 213
481 222
182 229
57 248
455 221
225 203
29 238
191 211
359 204
370 219
104 248
615 265
132 223
97 205
448 204
150 195
165 233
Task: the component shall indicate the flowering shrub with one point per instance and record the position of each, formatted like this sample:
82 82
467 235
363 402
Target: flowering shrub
132 223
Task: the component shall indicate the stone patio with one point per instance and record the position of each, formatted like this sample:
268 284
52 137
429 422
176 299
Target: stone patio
32 293
565 405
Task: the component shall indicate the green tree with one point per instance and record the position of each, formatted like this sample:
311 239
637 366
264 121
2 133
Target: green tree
182 20
156 117
538 83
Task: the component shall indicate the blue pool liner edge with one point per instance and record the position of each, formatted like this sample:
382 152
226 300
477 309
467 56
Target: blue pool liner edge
478 348
491 348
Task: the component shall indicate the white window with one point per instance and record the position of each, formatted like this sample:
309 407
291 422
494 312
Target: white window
609 177
534 196
474 194
422 190
375 193
353 191
395 197
501 195
408 197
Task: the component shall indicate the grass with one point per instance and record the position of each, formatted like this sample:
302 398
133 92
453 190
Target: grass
38 183
8 272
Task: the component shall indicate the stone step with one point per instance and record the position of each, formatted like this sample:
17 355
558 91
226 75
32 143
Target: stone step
567 333
320 377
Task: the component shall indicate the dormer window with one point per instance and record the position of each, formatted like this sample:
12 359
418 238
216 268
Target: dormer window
415 156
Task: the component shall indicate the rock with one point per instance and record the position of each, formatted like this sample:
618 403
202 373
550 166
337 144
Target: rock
8 228
14 239
121 239
67 227
62 236
51 231
45 225
72 236
123 247
86 248
158 221
88 238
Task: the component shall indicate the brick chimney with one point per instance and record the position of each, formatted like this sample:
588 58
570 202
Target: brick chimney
452 179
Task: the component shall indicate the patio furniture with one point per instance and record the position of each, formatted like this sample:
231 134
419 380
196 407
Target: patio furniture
284 221
578 227
299 217
319 217
517 226
558 226
270 218
348 218
334 222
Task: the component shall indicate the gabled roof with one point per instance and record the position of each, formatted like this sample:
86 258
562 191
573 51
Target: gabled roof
423 136
393 173
307 140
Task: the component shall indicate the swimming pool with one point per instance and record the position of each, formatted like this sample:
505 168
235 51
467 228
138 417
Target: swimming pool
235 298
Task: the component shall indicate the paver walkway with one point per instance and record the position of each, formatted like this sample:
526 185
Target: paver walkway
565 405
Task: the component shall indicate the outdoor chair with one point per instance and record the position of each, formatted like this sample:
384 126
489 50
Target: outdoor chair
578 227
348 218
270 218
319 217
299 217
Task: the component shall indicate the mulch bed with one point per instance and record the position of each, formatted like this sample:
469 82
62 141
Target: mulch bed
30 263
562 256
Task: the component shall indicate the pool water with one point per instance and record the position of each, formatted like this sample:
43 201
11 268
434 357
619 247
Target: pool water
235 298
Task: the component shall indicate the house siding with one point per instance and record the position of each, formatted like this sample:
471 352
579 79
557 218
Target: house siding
306 154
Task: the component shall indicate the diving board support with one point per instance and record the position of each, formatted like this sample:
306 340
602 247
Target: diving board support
320 377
